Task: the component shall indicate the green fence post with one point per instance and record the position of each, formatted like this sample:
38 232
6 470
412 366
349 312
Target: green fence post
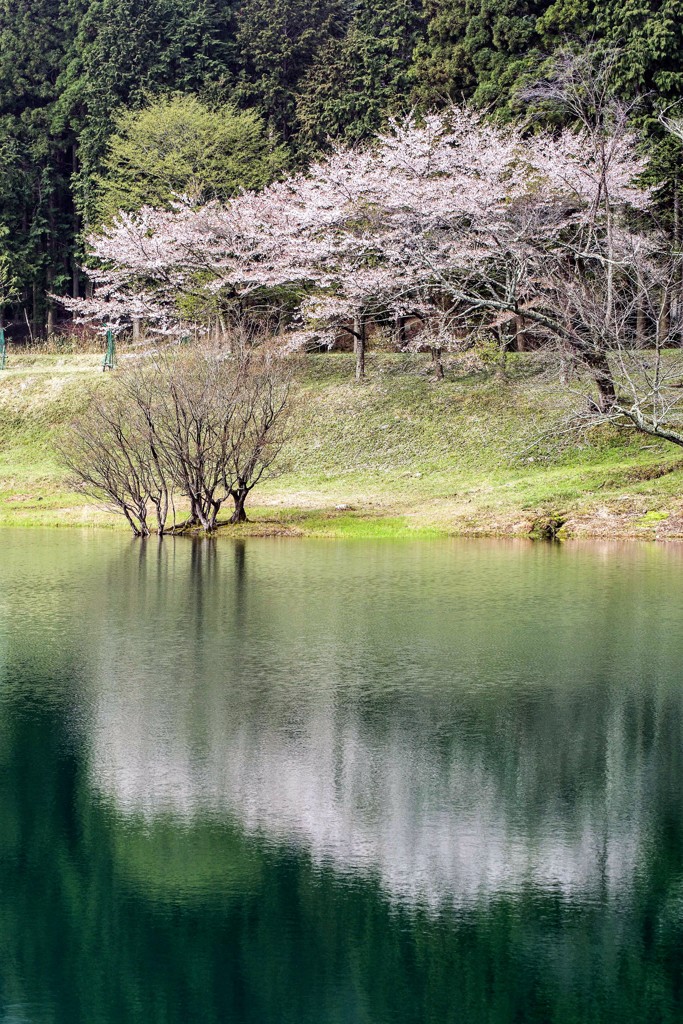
110 354
3 349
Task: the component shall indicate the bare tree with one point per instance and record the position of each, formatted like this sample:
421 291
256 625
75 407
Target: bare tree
188 423
645 371
586 283
137 391
258 426
104 452
195 398
617 282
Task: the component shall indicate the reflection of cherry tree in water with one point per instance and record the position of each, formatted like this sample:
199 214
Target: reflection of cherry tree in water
443 794
268 923
243 832
437 813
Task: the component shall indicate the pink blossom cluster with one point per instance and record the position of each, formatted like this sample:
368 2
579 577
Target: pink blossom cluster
440 216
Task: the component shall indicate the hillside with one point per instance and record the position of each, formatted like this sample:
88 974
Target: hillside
400 455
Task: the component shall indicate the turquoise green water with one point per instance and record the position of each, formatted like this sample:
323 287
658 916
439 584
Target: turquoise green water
300 782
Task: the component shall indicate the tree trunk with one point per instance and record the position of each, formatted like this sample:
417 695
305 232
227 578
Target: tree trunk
197 512
132 523
678 236
520 334
400 332
35 317
641 324
50 272
598 364
137 517
664 321
359 346
437 364
161 506
501 369
239 497
50 304
75 273
213 517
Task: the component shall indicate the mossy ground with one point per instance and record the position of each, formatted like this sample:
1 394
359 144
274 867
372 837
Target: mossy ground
397 456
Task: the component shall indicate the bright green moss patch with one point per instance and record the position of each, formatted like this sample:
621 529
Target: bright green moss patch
652 517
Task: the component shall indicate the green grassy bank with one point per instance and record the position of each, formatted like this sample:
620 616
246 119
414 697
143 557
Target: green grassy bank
397 456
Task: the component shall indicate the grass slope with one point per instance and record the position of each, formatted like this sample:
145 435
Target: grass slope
400 455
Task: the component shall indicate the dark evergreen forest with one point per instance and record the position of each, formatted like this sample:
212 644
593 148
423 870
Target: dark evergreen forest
309 71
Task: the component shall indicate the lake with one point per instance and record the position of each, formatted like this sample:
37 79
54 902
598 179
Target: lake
319 782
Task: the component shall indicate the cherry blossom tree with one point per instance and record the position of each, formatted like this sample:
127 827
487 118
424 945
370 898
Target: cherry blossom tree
448 206
451 220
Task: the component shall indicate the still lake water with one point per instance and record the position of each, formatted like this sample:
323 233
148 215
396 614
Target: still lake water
300 782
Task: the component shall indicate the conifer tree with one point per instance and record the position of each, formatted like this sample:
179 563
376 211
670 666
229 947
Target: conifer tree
277 40
358 80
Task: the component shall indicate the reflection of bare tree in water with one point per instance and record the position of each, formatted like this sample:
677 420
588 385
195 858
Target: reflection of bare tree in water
240 549
241 588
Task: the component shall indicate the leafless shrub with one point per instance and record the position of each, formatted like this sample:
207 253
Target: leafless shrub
108 459
257 428
188 423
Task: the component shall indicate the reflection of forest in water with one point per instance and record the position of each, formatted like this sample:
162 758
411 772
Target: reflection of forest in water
237 753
